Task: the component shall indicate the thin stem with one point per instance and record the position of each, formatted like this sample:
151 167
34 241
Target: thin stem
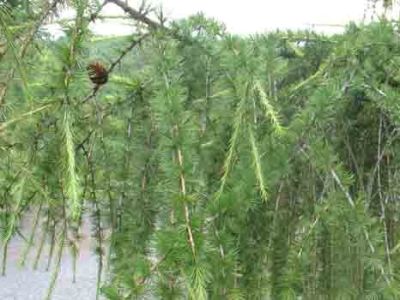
381 200
32 235
52 244
41 243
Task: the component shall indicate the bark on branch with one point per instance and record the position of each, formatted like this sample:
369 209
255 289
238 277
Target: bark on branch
135 14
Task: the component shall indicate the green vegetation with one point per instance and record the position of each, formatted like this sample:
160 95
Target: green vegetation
213 166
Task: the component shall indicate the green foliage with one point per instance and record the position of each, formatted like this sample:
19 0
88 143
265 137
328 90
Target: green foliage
213 166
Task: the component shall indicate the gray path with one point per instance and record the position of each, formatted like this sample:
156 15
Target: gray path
27 284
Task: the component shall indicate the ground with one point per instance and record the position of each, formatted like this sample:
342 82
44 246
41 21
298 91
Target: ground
28 284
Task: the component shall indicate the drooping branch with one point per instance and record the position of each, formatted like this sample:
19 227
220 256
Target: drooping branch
25 45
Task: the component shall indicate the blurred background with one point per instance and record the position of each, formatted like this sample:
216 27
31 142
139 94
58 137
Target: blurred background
251 16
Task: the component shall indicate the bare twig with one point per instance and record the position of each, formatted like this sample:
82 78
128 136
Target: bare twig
126 51
137 14
95 15
85 140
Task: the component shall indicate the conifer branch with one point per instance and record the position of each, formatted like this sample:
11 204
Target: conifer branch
232 146
134 43
348 197
71 176
185 206
61 246
41 242
182 183
24 47
118 60
257 166
4 125
32 235
136 15
339 182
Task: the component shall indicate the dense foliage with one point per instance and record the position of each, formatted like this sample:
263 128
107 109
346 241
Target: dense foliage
212 166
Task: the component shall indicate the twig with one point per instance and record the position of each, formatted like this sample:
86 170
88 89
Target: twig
116 62
349 199
25 46
23 116
126 50
185 206
383 208
41 243
347 194
137 15
392 137
153 268
32 236
95 15
57 267
86 139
